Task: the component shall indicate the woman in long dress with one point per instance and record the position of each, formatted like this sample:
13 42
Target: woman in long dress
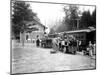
55 45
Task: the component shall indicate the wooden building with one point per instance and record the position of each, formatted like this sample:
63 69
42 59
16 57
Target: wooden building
34 28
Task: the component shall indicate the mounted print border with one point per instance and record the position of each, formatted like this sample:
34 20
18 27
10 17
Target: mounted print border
52 37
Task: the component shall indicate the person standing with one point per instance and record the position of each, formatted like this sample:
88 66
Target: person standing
90 49
55 45
63 45
66 44
74 45
37 41
94 48
59 44
79 45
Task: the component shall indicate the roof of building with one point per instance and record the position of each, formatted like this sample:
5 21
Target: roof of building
32 23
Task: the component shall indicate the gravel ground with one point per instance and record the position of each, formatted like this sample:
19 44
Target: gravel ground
30 59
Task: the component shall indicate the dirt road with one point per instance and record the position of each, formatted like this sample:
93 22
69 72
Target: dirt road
30 59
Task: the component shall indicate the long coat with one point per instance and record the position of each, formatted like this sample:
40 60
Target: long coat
55 44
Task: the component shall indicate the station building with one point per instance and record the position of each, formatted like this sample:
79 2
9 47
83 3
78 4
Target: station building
35 28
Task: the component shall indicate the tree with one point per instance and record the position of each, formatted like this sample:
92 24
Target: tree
88 19
94 18
70 20
20 12
72 13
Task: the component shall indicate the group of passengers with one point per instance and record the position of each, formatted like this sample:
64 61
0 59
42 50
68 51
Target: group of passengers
91 48
63 43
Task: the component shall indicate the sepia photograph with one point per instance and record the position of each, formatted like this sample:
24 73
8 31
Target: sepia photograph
52 37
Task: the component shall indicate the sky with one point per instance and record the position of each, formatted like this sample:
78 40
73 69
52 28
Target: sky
50 14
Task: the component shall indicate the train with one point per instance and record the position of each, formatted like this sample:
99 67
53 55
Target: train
82 35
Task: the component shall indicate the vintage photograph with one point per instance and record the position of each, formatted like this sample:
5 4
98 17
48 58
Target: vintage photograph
52 37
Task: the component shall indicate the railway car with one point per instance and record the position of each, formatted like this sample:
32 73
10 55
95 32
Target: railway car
84 36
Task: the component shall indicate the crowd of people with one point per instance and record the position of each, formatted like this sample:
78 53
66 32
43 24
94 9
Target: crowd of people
71 44
64 43
91 49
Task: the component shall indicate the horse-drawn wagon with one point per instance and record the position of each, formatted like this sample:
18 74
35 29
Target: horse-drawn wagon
46 42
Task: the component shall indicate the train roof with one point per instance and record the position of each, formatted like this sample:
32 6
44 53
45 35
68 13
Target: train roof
79 31
90 29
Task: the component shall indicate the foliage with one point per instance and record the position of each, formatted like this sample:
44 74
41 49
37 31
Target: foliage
69 22
20 12
72 13
94 18
88 19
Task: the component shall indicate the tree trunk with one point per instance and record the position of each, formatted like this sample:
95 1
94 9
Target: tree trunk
23 38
